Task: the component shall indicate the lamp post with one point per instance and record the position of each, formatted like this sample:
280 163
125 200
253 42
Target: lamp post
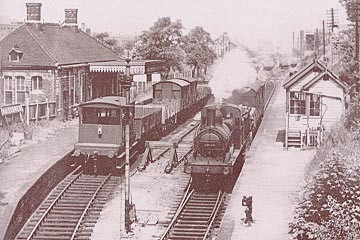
126 205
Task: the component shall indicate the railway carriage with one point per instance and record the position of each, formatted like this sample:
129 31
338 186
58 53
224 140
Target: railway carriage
253 96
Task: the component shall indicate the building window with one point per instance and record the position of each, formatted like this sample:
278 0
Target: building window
15 54
20 89
8 88
36 83
314 105
297 103
13 57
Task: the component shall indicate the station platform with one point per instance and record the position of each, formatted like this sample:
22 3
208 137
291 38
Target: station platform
272 175
21 171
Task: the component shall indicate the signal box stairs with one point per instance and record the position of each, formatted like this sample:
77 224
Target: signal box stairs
294 139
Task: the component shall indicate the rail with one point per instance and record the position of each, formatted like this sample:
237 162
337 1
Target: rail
214 213
180 139
53 203
88 206
188 132
185 199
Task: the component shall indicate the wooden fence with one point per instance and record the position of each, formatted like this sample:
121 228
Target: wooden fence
37 111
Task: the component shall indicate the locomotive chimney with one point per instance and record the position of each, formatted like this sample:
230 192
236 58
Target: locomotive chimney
210 115
33 12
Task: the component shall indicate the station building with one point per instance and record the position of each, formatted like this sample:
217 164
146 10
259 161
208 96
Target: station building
315 100
57 66
223 44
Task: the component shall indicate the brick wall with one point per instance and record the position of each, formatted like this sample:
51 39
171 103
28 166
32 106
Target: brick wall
1 91
72 86
41 92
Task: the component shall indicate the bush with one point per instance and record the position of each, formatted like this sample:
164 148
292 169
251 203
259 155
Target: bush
329 206
352 116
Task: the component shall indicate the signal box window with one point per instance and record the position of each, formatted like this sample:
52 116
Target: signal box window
104 116
297 103
314 105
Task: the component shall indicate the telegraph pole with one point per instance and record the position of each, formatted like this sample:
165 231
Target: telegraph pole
357 42
324 51
293 48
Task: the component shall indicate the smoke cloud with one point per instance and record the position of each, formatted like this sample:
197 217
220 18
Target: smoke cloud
232 72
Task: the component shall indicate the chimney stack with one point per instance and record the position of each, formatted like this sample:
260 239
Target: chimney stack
33 12
71 17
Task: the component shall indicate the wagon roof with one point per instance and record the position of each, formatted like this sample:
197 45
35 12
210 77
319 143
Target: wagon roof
255 85
180 82
225 104
109 100
187 79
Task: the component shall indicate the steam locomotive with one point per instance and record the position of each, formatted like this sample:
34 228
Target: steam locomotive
224 132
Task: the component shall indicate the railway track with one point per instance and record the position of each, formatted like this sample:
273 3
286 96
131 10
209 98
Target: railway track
71 210
196 216
183 139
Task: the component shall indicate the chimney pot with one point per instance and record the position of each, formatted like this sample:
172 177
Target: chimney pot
33 12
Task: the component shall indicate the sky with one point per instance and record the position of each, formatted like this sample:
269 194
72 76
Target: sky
250 22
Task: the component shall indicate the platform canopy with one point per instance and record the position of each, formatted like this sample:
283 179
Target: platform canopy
136 66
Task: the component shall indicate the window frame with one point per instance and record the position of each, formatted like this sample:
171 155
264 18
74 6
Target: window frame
314 110
297 103
39 87
22 88
8 88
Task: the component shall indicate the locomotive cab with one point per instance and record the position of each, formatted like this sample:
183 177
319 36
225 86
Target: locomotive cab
102 128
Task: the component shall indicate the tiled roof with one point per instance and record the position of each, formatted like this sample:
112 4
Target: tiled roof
33 53
51 45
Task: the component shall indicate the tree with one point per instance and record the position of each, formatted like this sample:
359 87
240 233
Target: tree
347 64
353 12
197 47
162 42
